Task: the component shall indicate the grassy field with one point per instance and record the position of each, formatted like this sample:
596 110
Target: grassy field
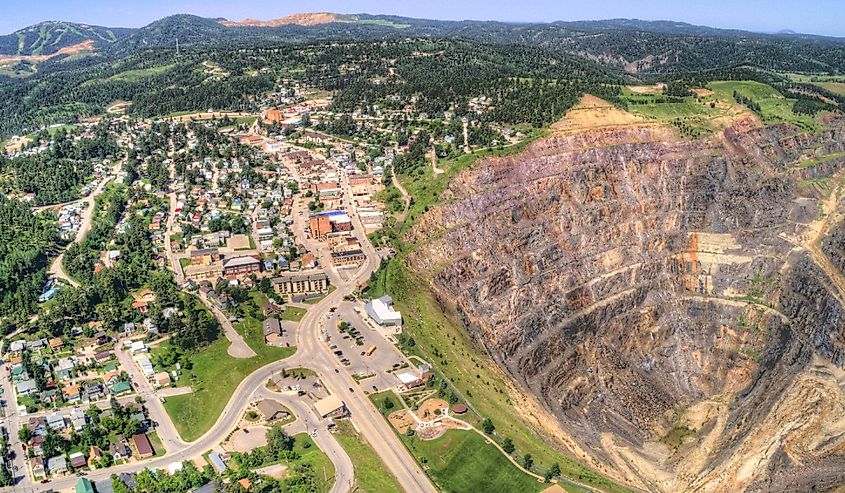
837 87
774 108
310 454
213 379
371 475
293 313
155 441
133 75
461 461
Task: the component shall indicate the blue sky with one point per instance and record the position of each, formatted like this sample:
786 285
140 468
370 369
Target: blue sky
810 16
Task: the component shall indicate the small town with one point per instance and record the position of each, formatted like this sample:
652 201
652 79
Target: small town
475 247
261 227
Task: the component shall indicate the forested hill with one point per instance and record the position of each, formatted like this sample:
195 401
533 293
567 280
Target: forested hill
630 45
634 46
47 38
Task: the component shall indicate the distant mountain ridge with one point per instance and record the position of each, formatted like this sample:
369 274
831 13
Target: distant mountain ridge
49 37
301 19
627 45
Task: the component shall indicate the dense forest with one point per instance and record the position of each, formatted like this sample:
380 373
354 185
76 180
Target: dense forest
25 242
55 174
517 61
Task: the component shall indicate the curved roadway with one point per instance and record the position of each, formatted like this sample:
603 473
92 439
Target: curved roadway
313 353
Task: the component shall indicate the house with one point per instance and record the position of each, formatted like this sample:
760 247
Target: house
78 419
56 343
77 460
111 377
120 388
139 417
17 346
95 391
330 407
271 308
102 356
245 483
162 379
83 485
217 462
119 450
138 347
141 305
26 387
71 393
94 455
36 465
19 372
150 326
57 466
272 410
56 421
101 337
380 311
146 366
271 327
142 445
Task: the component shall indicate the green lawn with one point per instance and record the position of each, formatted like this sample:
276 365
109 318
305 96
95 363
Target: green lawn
293 313
184 262
461 462
155 441
380 398
371 475
314 301
213 379
316 459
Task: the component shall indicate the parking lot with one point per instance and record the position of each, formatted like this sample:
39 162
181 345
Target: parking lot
296 383
363 350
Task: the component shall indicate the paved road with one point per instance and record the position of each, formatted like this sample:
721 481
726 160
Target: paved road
311 353
56 268
238 348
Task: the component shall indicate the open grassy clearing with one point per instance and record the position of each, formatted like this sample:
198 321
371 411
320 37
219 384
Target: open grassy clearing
293 313
837 87
311 455
461 461
214 376
371 475
774 108
155 441
134 75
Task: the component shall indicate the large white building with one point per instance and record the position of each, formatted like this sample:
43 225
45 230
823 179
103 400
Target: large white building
381 311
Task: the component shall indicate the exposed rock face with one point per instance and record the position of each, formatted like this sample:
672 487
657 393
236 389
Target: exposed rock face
632 281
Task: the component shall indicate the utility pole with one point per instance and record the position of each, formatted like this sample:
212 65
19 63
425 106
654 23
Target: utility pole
177 47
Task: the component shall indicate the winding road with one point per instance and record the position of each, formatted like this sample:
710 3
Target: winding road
56 268
312 353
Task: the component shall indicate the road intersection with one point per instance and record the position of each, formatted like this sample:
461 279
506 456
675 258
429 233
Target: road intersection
312 353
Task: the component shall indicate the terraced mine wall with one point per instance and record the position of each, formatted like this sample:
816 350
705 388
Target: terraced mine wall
642 286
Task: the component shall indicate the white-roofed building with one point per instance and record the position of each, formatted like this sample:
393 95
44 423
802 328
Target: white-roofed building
381 311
